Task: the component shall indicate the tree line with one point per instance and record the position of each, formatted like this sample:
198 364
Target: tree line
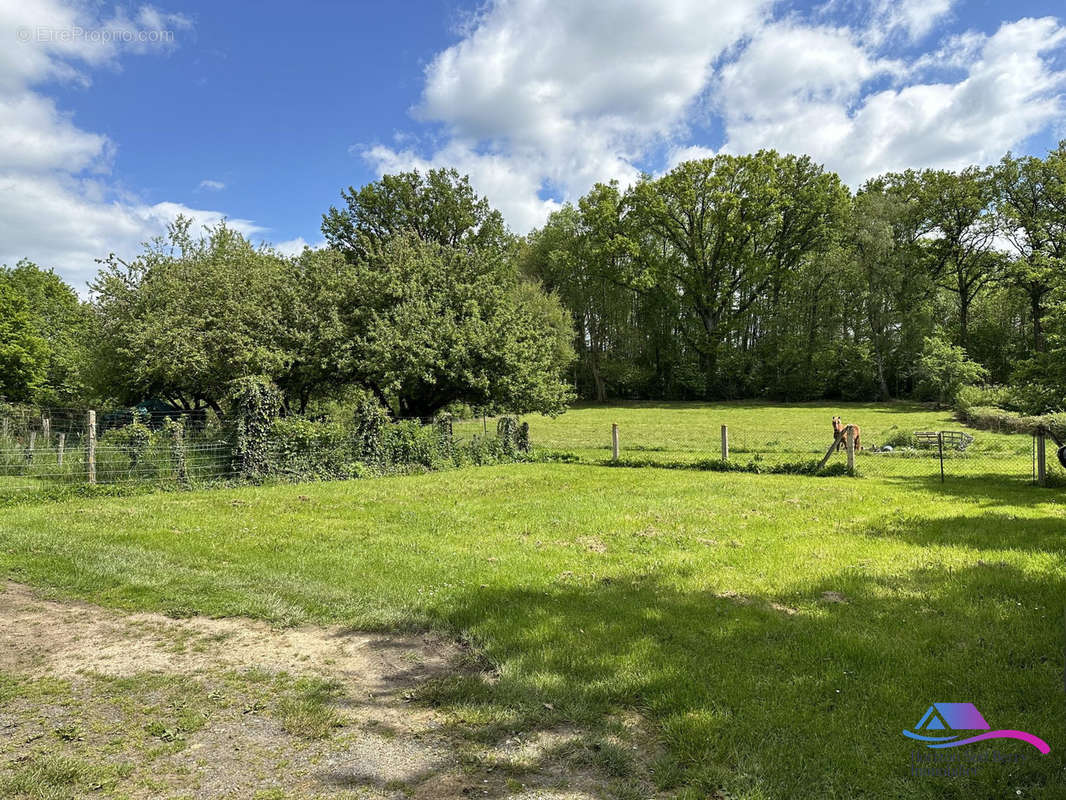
762 275
756 275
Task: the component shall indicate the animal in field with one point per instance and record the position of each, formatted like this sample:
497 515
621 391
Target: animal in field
839 429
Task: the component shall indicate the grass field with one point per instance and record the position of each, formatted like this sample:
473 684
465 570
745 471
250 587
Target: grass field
777 632
771 434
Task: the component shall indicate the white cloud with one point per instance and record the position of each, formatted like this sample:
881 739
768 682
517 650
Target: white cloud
550 96
293 247
541 98
57 206
915 18
69 222
35 136
1008 93
210 185
693 152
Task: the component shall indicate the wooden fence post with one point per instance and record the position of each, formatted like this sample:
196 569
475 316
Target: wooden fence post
614 440
725 443
29 450
59 451
46 430
849 436
90 449
1041 457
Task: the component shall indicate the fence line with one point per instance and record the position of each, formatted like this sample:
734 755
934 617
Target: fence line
940 454
34 456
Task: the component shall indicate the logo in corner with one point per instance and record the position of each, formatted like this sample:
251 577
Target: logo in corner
947 721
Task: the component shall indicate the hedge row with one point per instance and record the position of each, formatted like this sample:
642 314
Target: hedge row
302 449
366 443
992 418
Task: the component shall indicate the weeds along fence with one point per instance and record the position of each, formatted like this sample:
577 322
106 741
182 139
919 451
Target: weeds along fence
44 450
942 454
48 449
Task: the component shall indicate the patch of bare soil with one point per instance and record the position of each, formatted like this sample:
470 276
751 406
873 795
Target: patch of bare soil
218 708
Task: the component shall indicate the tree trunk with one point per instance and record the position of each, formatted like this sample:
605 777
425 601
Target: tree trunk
964 321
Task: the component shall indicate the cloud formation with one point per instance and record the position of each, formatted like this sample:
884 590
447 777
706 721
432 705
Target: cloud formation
542 98
545 97
58 205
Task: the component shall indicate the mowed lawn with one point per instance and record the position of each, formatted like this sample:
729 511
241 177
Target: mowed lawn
777 632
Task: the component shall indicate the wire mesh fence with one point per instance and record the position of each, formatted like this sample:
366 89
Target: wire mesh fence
47 465
42 449
98 448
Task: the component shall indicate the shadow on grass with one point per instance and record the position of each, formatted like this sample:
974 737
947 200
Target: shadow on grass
804 694
989 489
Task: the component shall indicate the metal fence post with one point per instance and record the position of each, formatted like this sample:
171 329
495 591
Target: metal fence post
940 448
725 443
849 436
614 441
90 448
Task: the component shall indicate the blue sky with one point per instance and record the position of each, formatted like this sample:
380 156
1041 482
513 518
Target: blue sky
263 112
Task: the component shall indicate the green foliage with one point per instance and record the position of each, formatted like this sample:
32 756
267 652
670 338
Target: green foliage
429 326
439 207
733 228
256 403
302 449
971 396
52 328
132 440
189 316
1038 385
23 351
1000 420
173 431
366 443
944 368
754 466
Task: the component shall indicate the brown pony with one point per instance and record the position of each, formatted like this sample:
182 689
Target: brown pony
839 429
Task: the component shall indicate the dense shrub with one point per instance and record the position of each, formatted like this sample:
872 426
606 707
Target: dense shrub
368 444
1000 420
972 395
132 441
897 438
256 403
303 449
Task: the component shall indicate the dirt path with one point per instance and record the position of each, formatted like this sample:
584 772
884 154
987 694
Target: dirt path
99 703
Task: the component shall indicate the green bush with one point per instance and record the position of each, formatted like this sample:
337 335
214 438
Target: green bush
256 403
413 444
303 449
972 395
1000 420
719 465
